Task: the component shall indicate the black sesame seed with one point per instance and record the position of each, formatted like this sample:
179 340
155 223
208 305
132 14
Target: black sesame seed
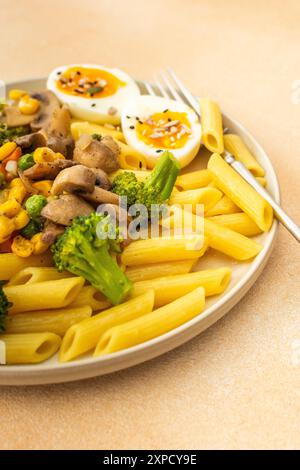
140 165
58 73
141 122
131 127
165 111
128 117
158 151
169 119
78 72
93 105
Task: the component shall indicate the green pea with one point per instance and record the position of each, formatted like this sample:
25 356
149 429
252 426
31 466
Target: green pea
26 161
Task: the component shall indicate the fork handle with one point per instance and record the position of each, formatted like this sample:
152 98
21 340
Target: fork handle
281 215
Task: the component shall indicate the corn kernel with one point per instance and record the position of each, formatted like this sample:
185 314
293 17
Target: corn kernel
10 208
60 156
7 149
39 246
21 219
43 187
18 193
21 247
16 182
6 228
44 154
16 94
28 105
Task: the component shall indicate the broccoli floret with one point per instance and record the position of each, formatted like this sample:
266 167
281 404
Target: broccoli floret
156 189
9 134
4 306
34 205
31 229
126 184
84 248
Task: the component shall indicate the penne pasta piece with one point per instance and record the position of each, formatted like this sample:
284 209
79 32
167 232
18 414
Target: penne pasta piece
33 274
141 175
11 264
55 321
208 197
240 192
30 348
152 325
162 249
92 297
212 127
83 127
224 206
262 181
239 222
43 295
152 271
169 288
83 336
218 237
194 180
131 159
235 145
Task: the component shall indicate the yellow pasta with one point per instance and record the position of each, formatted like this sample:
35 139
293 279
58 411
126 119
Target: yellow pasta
212 128
11 264
34 274
235 145
55 321
219 237
92 297
131 159
169 288
141 175
154 324
83 336
43 295
240 192
194 180
224 206
151 271
83 127
161 249
30 348
207 197
239 222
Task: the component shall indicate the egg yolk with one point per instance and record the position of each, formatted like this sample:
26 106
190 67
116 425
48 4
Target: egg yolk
88 83
166 130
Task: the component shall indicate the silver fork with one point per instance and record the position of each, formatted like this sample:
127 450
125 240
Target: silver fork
169 90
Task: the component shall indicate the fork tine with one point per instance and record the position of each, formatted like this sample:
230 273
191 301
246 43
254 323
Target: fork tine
171 88
161 88
149 89
188 96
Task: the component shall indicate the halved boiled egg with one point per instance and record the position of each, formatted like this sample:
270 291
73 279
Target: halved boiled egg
152 124
93 92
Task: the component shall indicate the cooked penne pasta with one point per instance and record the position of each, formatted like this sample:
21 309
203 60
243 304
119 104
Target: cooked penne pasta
11 264
194 180
141 175
153 324
43 295
83 336
30 348
151 271
55 321
169 288
208 197
239 222
212 127
131 159
235 145
241 193
262 181
224 206
84 127
162 249
219 237
32 275
92 297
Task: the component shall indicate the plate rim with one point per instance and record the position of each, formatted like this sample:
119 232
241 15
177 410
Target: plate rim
84 368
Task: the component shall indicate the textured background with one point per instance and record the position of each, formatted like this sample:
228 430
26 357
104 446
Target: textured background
238 384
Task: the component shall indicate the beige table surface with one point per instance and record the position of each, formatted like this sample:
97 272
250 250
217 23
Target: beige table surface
238 384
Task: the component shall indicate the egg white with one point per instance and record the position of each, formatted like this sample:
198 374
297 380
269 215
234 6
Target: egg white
82 108
146 105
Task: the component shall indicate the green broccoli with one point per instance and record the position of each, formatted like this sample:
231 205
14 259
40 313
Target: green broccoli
4 306
83 249
12 133
34 205
156 189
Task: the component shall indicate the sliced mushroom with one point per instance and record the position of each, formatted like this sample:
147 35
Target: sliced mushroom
59 123
34 140
13 117
102 179
101 154
101 196
27 183
76 178
47 170
51 231
63 145
65 208
49 104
